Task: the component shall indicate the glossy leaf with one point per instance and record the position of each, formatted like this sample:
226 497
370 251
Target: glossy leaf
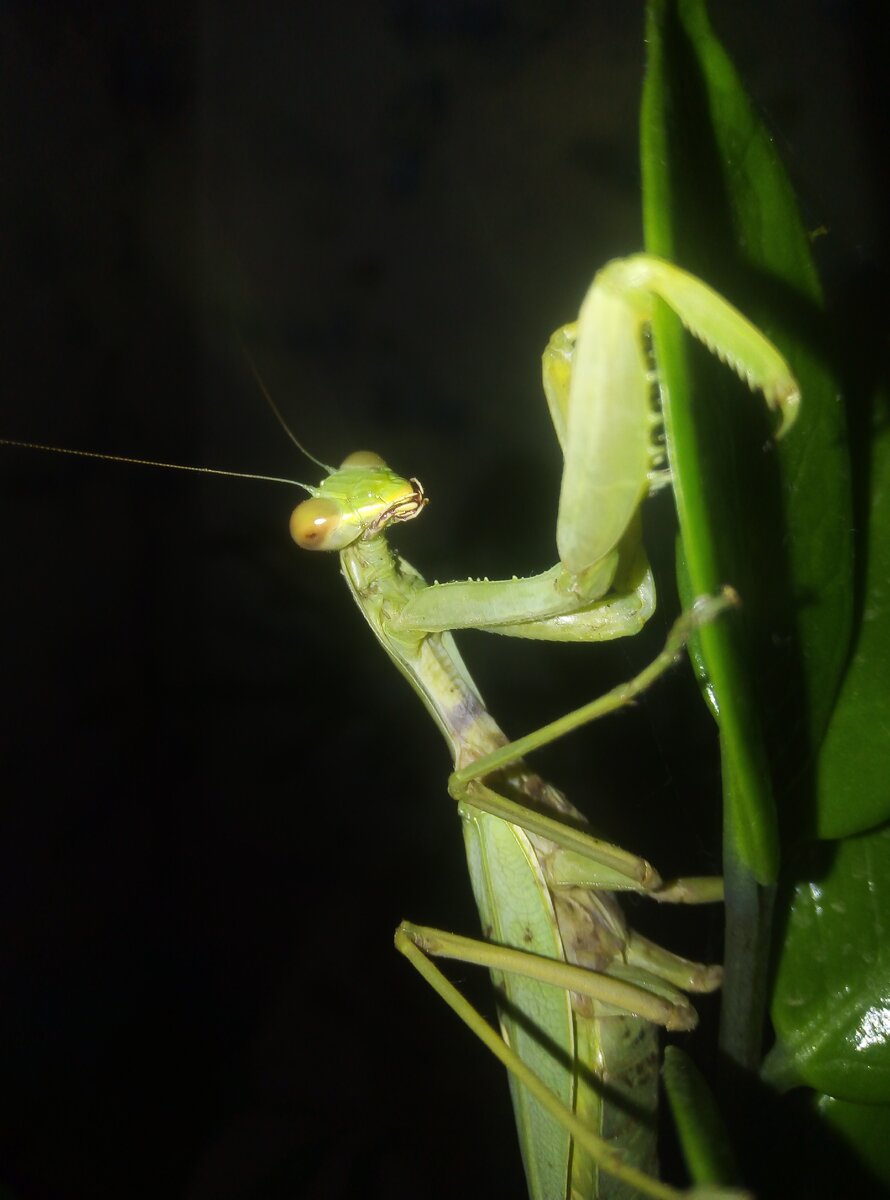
863 1127
831 1009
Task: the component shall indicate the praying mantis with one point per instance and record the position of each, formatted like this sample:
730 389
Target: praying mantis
580 994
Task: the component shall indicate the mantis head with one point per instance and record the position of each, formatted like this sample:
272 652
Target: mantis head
359 500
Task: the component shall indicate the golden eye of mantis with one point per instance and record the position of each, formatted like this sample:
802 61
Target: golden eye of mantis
362 458
318 524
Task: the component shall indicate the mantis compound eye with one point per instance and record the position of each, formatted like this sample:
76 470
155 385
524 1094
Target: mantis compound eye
362 458
318 524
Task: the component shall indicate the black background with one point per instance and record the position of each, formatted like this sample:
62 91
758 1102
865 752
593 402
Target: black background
218 799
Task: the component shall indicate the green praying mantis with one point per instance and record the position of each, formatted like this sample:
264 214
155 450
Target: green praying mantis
580 995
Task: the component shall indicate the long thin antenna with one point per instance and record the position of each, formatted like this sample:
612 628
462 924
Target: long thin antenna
255 371
150 462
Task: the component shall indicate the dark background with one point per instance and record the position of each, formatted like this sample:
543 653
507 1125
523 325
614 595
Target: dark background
218 798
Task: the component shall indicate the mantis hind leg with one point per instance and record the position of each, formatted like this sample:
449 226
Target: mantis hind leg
418 944
634 992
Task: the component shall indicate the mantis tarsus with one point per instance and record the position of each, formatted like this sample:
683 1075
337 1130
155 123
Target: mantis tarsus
579 993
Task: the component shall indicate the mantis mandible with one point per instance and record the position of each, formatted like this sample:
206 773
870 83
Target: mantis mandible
580 994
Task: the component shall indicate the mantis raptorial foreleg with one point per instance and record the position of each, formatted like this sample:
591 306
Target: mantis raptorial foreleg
598 382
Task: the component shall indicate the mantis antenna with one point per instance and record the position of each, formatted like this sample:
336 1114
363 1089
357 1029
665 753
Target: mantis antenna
168 466
276 411
150 462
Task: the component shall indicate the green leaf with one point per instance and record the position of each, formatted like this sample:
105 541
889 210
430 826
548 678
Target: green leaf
831 1009
854 768
703 1138
864 1127
772 520
778 524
